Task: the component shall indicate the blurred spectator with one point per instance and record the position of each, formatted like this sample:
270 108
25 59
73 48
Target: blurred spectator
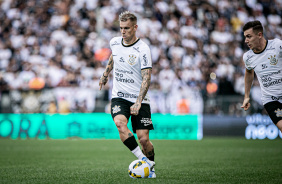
36 83
63 106
52 108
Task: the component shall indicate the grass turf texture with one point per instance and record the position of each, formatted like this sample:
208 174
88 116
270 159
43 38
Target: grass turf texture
211 160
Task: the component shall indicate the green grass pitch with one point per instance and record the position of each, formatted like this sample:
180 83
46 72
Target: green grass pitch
211 160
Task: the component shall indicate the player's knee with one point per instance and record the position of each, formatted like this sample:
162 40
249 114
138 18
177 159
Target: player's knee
121 126
143 140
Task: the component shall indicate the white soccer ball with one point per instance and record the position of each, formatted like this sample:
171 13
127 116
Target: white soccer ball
139 169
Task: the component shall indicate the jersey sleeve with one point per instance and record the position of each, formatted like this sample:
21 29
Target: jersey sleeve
246 62
111 42
278 46
146 59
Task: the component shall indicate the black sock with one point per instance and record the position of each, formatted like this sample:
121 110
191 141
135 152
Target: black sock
131 143
151 155
152 158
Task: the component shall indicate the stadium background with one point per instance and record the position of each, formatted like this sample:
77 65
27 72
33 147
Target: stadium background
52 53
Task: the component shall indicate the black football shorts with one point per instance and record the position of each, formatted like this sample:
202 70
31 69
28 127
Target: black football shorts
274 110
141 121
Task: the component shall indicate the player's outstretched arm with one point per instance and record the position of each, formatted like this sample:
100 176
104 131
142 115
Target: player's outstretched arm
104 77
249 77
146 81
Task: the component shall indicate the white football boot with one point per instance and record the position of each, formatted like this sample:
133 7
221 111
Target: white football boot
152 165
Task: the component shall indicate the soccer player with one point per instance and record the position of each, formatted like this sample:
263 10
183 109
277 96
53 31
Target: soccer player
265 59
132 66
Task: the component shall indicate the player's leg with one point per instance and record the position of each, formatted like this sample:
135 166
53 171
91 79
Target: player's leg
279 125
121 124
121 113
148 150
127 137
274 110
146 144
141 124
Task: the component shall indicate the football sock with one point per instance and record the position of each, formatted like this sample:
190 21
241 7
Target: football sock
152 158
150 155
132 145
138 153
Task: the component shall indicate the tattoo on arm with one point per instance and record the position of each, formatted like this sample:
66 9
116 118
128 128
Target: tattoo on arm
110 65
130 134
146 80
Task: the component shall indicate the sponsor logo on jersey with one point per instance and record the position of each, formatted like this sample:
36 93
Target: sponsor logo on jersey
136 48
146 121
145 60
273 60
124 71
272 82
121 60
116 109
124 80
263 66
126 95
276 98
115 43
132 59
278 112
120 94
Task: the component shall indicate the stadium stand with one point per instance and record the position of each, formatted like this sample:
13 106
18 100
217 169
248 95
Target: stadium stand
64 45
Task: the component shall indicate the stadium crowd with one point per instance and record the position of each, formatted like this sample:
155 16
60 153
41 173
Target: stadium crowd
196 45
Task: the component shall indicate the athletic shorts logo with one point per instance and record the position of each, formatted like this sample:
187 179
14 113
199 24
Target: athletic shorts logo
116 109
273 60
132 59
278 112
146 121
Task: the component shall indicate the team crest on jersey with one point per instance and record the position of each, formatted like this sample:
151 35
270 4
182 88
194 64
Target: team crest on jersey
273 60
278 112
116 109
132 59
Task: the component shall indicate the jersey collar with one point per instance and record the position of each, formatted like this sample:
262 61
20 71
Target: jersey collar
263 49
130 44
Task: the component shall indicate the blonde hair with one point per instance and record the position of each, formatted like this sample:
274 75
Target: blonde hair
126 15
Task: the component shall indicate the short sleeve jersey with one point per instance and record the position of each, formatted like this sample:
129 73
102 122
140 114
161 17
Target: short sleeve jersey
267 66
129 60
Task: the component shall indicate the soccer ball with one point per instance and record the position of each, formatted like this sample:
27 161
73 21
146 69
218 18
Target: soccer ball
139 169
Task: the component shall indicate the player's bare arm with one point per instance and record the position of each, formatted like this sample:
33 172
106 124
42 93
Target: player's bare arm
146 81
249 77
104 77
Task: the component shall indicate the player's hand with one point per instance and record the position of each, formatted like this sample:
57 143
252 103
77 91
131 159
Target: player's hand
246 104
103 81
134 109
